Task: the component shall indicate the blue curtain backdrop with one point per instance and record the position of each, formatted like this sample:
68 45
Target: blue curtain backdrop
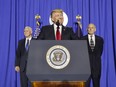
16 14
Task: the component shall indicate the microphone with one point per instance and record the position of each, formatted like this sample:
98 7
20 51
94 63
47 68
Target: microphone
58 23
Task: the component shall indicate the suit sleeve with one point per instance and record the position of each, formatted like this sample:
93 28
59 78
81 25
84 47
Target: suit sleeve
100 48
18 54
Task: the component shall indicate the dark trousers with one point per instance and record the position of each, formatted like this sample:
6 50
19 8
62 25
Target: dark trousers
24 80
95 80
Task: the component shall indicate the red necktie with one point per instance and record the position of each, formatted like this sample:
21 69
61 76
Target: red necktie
58 35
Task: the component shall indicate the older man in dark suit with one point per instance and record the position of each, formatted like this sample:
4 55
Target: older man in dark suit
22 55
57 31
95 48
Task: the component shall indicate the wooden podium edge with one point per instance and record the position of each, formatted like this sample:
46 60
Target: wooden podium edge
58 84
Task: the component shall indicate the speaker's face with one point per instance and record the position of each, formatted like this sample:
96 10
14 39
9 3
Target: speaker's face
57 16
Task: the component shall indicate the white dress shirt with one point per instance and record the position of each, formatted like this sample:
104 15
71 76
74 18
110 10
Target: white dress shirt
29 40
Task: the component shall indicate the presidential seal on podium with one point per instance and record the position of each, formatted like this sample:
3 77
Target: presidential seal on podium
58 57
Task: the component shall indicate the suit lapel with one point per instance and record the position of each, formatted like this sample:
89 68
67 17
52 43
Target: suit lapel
96 41
52 34
88 42
63 32
24 44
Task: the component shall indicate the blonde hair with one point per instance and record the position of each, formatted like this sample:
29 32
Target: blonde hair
56 10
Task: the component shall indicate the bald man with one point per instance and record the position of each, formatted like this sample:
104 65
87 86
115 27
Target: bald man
95 48
21 56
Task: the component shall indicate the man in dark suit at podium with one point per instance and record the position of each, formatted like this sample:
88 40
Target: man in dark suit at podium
57 31
95 48
22 55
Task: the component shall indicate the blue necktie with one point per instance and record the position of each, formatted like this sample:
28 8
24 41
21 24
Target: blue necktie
27 45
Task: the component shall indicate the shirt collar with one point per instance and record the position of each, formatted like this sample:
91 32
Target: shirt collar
55 26
29 38
93 36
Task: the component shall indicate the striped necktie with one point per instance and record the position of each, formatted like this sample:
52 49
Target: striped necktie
91 43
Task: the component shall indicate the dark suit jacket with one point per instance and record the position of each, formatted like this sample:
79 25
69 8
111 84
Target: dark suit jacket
21 55
47 33
95 56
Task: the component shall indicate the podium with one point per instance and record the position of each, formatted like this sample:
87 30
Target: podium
73 66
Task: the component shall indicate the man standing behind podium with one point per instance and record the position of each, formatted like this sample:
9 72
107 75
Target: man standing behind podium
95 48
21 56
57 31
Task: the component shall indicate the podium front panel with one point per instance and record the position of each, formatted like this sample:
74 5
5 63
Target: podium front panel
78 68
